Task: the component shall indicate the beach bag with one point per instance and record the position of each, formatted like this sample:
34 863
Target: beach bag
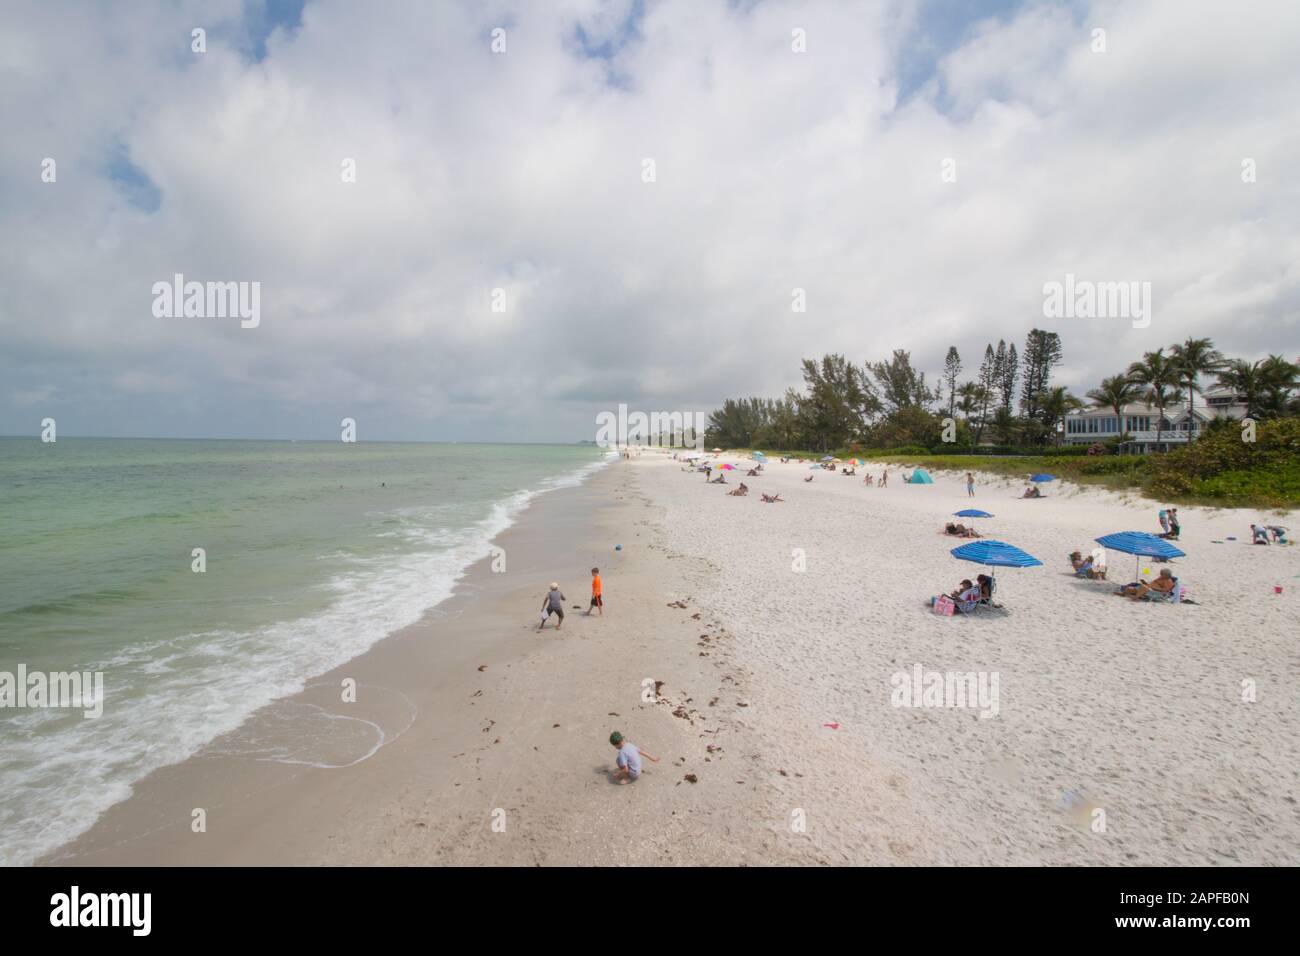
944 605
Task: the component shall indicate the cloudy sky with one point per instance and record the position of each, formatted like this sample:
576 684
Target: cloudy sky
524 171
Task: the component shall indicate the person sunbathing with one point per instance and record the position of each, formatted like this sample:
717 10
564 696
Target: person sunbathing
741 491
960 531
810 478
1032 492
966 595
752 473
1083 567
1164 584
772 499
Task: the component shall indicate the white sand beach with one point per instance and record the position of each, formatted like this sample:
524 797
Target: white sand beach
1135 708
774 722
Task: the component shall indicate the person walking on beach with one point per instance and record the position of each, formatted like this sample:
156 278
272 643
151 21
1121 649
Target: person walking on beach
970 485
884 478
553 603
596 601
629 758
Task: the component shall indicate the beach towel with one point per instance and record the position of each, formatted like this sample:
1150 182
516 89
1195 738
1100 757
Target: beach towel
944 605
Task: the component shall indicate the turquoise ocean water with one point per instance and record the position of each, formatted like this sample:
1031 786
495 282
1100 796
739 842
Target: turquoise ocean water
314 550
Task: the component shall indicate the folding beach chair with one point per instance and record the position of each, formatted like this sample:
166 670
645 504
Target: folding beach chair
1174 596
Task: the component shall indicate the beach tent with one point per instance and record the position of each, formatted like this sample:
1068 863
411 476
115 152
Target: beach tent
996 554
1140 545
921 477
971 513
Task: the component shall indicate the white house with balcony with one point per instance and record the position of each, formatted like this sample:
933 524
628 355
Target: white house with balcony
1145 429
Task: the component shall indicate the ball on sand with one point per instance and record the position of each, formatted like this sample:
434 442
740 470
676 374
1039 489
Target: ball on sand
618 547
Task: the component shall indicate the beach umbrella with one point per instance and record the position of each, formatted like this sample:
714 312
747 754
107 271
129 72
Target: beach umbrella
727 467
1042 478
971 513
996 554
828 458
1140 545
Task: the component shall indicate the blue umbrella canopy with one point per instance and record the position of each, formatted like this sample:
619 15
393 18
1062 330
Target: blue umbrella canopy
1042 477
971 513
827 458
1140 543
996 554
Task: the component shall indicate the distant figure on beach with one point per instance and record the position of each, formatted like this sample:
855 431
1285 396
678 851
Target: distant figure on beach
596 600
707 469
884 478
772 499
1032 492
960 531
628 763
1279 533
553 603
1258 534
809 478
868 480
907 478
1174 527
1164 521
741 491
970 485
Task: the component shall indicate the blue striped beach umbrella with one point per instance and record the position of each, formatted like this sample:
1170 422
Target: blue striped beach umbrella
996 554
1141 545
971 513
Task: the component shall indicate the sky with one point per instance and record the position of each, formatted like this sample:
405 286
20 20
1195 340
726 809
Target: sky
794 146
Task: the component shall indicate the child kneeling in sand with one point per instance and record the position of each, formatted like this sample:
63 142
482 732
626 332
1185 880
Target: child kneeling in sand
629 758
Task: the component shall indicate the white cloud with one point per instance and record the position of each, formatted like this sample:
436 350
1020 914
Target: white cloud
523 170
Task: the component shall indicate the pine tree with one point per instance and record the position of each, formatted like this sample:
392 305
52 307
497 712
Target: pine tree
1042 354
1010 373
952 369
988 383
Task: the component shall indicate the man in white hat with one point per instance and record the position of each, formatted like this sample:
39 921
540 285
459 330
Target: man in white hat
553 603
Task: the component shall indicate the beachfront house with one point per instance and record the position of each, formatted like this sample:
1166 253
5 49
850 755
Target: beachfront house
1145 429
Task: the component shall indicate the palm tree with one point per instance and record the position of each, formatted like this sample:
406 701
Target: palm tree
1247 380
1054 404
1192 358
1159 376
1281 378
1116 392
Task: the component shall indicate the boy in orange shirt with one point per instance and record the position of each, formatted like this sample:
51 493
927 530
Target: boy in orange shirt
596 601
